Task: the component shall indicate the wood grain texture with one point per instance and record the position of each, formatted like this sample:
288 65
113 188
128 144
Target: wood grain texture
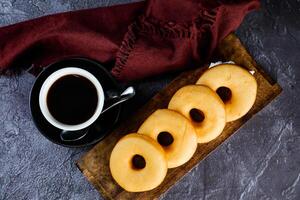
95 164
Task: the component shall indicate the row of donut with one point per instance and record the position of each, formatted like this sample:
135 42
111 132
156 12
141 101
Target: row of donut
168 138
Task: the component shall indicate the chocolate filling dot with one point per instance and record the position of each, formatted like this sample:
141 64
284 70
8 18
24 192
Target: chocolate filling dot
165 138
138 162
197 115
224 93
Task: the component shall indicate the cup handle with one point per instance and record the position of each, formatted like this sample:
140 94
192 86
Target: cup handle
114 98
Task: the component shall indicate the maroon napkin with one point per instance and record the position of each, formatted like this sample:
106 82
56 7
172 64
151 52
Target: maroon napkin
141 39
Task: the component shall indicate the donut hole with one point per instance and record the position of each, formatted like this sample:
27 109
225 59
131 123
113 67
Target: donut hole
165 139
197 115
224 93
138 162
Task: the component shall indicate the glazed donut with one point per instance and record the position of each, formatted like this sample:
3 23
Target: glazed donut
138 163
203 107
174 133
236 87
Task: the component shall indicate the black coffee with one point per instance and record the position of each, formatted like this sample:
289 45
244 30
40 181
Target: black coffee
72 99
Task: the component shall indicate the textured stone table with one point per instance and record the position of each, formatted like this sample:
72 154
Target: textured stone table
262 161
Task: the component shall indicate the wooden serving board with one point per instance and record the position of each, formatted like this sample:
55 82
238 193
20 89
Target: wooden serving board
95 164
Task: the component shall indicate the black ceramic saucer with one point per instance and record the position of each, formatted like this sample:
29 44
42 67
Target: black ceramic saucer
96 131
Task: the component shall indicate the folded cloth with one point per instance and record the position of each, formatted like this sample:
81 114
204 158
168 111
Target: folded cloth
142 39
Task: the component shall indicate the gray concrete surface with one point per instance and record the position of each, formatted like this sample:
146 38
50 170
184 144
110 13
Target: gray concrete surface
262 161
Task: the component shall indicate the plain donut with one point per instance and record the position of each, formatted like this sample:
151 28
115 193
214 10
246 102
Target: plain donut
242 84
184 139
206 102
148 175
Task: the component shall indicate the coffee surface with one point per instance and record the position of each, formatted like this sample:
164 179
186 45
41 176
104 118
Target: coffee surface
72 99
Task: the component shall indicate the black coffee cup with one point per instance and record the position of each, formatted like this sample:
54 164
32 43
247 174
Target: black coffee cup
69 108
72 97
